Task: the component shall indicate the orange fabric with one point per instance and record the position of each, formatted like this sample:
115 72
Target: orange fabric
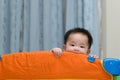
44 65
52 79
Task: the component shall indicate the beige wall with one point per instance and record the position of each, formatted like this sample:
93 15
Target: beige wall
111 28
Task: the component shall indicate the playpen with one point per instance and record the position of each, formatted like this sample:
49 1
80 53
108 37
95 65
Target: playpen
43 65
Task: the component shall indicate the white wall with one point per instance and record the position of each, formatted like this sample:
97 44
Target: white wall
111 28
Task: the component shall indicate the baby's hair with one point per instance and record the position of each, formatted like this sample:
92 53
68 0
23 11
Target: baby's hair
79 30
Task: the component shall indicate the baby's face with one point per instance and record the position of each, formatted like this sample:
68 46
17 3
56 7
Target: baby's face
78 43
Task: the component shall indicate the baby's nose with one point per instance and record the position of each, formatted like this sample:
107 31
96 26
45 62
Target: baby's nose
76 48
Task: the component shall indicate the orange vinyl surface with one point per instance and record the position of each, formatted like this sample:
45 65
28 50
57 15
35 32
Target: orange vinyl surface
43 65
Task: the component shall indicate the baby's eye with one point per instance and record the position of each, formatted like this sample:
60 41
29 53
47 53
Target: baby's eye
82 46
72 44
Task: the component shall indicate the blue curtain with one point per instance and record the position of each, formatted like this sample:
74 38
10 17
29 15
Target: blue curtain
31 25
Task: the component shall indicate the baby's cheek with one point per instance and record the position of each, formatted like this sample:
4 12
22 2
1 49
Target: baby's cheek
69 49
84 51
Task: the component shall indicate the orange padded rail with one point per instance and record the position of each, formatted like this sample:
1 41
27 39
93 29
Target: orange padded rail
44 65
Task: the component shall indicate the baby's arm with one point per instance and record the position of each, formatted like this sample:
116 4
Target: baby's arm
56 51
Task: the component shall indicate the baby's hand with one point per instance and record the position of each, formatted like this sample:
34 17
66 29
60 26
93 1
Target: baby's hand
56 51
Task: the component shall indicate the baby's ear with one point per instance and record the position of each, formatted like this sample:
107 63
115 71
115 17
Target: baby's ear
64 47
88 52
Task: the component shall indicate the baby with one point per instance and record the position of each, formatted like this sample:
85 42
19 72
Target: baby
77 40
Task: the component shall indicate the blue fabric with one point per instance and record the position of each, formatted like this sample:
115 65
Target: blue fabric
30 25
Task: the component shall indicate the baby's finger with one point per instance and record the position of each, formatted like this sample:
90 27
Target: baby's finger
57 54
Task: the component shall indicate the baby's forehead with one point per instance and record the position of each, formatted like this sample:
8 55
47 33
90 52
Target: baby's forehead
78 36
78 33
78 42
